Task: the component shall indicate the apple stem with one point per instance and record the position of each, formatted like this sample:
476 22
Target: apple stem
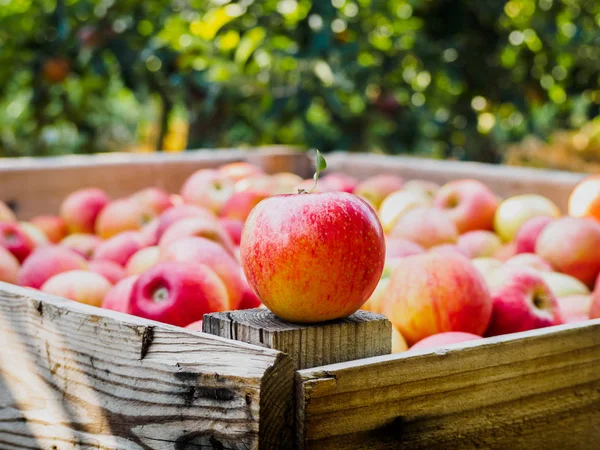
320 165
160 295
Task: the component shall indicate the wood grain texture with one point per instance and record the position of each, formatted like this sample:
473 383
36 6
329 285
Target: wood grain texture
503 180
539 389
361 335
38 185
74 376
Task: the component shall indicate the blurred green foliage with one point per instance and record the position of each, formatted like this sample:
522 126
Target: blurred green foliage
442 78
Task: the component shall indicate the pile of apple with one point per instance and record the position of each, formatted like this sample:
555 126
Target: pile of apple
444 263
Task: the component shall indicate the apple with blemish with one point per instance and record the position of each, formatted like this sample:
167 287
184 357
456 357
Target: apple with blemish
433 293
81 209
81 286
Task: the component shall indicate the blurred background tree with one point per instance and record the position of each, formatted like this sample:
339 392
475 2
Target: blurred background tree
440 78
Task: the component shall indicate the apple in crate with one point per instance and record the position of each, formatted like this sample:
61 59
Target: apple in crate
530 260
172 215
119 248
572 246
118 298
153 199
142 260
377 187
81 286
9 267
122 215
313 257
239 205
529 232
470 204
427 227
522 301
515 211
46 262
442 339
178 293
434 293
399 248
81 208
563 285
584 200
83 243
112 271
199 227
15 240
6 214
480 243
208 188
239 170
54 227
595 307
575 308
398 203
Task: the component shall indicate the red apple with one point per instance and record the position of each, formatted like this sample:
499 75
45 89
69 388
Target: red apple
443 339
234 229
239 205
480 243
427 227
81 209
15 240
313 257
377 187
249 299
572 246
198 250
9 267
112 271
53 227
575 308
79 285
196 326
84 244
239 170
399 248
197 226
178 293
522 301
6 214
469 203
153 199
122 215
207 188
434 293
118 298
142 260
529 232
46 262
119 248
172 215
530 260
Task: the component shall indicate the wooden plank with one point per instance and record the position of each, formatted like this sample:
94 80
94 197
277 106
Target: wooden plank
504 180
75 376
362 335
538 389
37 185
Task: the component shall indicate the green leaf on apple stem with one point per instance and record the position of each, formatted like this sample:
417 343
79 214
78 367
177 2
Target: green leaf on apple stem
320 165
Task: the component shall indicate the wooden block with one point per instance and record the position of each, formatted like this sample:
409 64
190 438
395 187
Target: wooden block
361 335
538 389
75 376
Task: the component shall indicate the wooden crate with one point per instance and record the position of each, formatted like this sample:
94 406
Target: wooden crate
74 376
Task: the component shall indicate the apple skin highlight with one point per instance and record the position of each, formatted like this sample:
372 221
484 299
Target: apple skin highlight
313 257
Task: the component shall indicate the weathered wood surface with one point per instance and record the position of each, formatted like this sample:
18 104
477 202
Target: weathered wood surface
503 180
539 389
74 376
38 185
361 335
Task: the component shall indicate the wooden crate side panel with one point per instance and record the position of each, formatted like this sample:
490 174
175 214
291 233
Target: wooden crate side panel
74 376
504 180
539 389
